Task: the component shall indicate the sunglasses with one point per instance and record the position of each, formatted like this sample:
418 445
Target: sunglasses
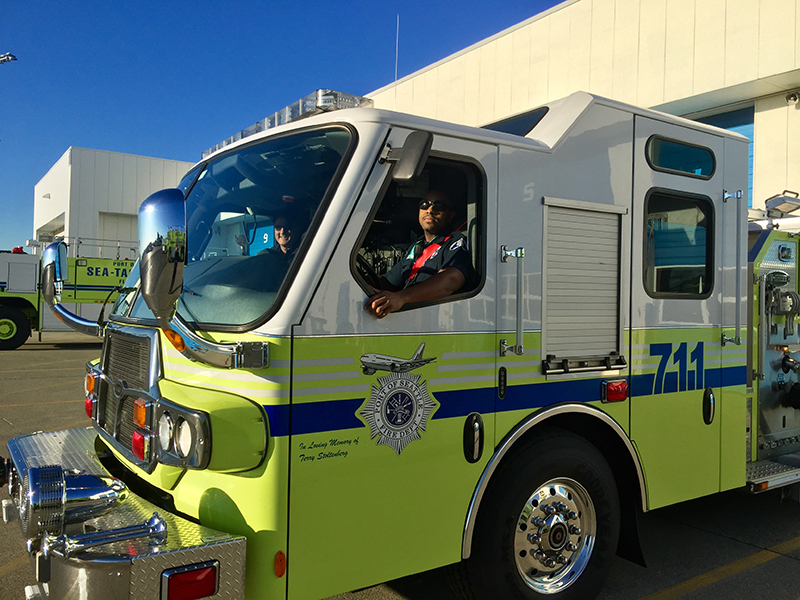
437 206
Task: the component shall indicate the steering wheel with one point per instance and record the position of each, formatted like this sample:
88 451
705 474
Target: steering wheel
366 271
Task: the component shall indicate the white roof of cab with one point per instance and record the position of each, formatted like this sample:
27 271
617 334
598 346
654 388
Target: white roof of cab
561 117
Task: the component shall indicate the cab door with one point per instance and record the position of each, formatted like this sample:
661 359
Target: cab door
677 309
384 451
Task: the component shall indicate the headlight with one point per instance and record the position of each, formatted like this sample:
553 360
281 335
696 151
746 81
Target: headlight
183 441
184 435
165 428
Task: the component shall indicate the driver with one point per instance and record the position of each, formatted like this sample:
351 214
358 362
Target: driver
285 240
437 264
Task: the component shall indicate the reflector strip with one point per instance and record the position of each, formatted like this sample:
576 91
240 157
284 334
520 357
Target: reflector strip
280 564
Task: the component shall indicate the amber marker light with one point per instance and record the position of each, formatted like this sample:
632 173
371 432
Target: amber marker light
89 384
140 413
280 564
175 339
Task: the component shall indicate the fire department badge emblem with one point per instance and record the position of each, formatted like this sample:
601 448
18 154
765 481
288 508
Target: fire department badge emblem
398 409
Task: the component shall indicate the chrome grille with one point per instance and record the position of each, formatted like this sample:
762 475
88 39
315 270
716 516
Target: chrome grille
127 362
125 432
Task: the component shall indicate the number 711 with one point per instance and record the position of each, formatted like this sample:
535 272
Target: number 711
685 378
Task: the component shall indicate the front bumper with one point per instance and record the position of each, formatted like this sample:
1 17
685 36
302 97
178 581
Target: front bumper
120 567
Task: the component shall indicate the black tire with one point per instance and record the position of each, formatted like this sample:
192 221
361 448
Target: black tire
557 482
14 328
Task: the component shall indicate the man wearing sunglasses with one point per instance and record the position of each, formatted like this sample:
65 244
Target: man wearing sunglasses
437 265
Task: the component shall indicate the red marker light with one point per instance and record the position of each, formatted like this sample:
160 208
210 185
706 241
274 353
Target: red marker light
88 406
139 446
615 391
191 583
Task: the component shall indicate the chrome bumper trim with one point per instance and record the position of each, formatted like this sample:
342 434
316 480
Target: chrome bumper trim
132 567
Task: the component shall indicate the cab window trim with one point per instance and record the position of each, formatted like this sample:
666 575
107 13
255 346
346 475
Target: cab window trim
710 255
479 255
682 173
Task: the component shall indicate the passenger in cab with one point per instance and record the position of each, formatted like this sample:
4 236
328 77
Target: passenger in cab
437 264
286 240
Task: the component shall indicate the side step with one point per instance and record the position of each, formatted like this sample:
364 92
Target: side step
771 474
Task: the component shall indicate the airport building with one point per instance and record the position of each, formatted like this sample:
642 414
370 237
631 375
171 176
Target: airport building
90 199
731 63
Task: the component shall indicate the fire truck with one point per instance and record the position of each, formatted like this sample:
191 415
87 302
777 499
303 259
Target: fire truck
256 433
22 308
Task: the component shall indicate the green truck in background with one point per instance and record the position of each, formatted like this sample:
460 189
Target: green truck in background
22 309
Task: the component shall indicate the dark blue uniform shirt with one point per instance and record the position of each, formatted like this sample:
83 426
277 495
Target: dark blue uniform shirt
453 252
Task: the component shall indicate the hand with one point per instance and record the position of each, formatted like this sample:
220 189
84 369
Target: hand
384 302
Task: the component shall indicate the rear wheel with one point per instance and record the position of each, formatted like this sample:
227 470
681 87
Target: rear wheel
14 328
548 526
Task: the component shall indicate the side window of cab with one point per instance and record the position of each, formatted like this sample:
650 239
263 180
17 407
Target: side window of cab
424 241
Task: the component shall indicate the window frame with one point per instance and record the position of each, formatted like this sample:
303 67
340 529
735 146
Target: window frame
710 264
302 251
479 254
654 167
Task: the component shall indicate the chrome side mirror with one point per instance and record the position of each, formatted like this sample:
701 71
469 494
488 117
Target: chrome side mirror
55 271
162 242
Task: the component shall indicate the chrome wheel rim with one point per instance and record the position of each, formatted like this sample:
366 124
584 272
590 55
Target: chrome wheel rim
555 535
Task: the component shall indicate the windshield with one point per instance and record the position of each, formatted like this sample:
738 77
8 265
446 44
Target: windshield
249 216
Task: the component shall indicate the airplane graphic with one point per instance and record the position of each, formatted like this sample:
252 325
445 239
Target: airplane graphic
370 363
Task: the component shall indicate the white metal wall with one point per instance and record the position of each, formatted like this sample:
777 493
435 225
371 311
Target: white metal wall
85 184
124 228
645 52
680 56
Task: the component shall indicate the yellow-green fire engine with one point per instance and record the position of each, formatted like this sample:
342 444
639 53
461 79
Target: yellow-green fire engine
256 433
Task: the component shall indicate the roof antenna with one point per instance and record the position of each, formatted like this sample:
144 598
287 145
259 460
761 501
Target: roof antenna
396 54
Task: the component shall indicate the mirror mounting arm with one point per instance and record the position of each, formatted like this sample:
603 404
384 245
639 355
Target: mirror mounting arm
54 273
410 159
241 355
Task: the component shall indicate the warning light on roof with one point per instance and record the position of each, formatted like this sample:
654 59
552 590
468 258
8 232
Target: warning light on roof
320 101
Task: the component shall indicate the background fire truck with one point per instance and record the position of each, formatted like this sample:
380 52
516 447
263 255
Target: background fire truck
22 308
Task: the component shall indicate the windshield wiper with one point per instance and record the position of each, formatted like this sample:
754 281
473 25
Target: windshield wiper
186 290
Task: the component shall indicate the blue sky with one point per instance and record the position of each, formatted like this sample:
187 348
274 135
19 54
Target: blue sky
170 79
